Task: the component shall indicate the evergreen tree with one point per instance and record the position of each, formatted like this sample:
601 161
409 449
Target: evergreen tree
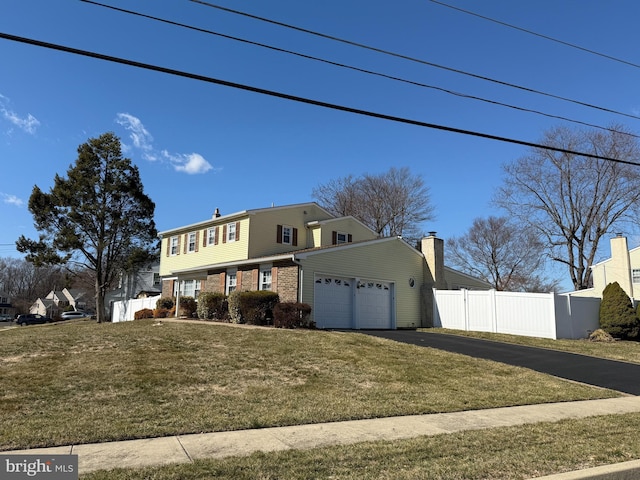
617 315
98 216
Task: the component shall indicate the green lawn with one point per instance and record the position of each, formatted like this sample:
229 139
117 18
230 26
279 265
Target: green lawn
88 382
83 382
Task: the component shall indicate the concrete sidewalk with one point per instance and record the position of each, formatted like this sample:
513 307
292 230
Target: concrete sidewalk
186 448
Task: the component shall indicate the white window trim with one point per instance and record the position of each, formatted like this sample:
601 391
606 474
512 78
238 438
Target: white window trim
211 236
263 284
285 229
175 244
231 281
231 228
190 243
345 240
635 275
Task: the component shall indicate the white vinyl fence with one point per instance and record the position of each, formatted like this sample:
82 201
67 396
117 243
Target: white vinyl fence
546 315
124 311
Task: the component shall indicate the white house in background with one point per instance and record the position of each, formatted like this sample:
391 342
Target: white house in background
58 301
623 267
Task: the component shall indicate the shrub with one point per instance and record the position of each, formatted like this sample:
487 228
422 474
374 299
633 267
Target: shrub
600 335
187 306
291 315
144 313
212 305
165 302
617 316
161 313
233 304
252 307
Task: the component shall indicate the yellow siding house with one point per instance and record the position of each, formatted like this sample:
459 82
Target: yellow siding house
348 275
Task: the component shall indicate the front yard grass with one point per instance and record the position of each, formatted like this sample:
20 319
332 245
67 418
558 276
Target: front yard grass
86 382
625 351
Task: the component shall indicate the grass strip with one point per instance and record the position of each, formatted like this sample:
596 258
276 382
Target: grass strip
507 453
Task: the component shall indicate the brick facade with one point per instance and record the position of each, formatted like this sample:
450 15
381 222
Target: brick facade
287 282
284 281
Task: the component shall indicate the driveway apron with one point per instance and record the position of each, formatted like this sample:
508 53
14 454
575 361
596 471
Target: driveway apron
620 376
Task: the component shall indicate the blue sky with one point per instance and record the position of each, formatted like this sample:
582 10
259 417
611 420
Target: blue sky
201 146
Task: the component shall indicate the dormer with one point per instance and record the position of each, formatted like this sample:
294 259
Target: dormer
335 231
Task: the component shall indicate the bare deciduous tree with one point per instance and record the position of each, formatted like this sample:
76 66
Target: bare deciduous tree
23 282
499 252
573 201
392 203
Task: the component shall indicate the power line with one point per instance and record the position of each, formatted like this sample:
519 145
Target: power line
412 59
351 67
298 99
530 32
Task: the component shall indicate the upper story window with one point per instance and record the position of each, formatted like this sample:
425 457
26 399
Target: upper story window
340 237
287 235
231 232
635 275
211 236
156 279
192 241
175 245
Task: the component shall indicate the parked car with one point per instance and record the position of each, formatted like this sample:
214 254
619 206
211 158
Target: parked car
5 317
32 319
73 314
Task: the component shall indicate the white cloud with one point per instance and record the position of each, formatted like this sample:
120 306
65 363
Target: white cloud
191 163
11 199
28 123
138 134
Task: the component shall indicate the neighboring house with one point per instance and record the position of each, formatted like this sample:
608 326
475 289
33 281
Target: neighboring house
623 267
6 309
145 282
349 276
57 301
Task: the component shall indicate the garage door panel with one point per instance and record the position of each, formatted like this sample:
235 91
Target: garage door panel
333 302
374 301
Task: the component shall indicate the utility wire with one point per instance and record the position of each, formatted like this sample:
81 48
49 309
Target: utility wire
530 32
298 99
412 59
350 67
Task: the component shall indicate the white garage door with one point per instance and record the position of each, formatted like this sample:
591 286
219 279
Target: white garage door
335 307
333 302
373 304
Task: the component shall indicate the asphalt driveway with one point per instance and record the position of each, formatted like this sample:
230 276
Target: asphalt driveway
620 376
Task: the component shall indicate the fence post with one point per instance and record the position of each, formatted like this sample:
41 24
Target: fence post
494 310
553 316
465 300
